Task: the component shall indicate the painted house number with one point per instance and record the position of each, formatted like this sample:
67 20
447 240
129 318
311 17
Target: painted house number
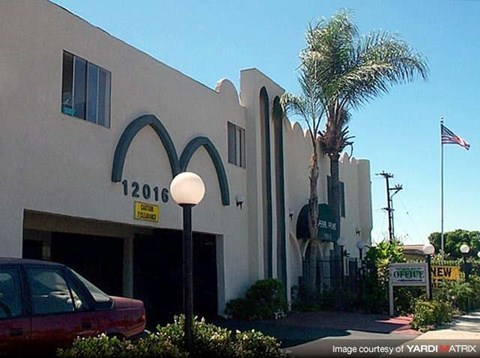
146 191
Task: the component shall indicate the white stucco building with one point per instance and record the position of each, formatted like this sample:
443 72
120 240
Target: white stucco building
92 132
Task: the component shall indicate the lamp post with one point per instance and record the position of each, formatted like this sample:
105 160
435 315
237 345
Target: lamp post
187 190
342 242
428 250
465 249
360 247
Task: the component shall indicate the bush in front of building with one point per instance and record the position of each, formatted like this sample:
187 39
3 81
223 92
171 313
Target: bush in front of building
168 341
431 314
153 345
462 296
265 299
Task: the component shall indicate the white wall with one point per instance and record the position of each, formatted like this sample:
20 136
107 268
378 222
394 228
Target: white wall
54 163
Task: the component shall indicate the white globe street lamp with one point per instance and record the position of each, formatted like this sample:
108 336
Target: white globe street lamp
465 249
187 190
428 249
341 241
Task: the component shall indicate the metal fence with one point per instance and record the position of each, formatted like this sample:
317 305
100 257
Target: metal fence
329 273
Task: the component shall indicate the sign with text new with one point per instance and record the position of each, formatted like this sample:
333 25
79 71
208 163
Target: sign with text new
450 273
407 274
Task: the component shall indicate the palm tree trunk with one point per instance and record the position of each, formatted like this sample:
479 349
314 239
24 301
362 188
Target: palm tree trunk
335 200
335 204
311 274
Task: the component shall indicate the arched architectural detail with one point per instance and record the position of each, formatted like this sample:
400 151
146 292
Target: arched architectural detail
192 147
266 182
129 134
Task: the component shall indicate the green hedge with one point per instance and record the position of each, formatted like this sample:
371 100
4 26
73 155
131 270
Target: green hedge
208 341
431 314
265 299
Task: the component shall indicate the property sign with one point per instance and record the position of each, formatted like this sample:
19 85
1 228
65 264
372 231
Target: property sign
408 274
146 212
450 273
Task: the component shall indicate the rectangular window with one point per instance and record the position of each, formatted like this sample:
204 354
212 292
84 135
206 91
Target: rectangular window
10 294
85 90
51 293
236 145
342 195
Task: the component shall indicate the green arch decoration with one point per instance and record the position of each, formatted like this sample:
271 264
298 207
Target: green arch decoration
192 147
126 139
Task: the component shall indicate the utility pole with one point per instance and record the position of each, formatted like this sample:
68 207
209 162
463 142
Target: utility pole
389 208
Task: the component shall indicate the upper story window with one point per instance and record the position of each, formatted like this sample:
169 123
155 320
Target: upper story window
236 145
85 90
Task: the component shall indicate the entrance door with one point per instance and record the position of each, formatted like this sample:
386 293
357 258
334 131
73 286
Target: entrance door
99 259
158 275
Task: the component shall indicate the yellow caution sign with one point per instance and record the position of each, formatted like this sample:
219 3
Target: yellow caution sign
451 273
146 212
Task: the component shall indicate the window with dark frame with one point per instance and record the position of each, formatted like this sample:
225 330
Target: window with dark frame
342 195
10 294
52 293
236 145
85 90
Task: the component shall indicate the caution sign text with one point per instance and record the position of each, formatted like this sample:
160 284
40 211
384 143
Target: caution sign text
146 212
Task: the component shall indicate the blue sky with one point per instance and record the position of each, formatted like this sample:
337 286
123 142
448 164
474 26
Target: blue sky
398 132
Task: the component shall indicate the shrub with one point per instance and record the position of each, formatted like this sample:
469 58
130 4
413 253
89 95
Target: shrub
153 345
239 308
459 294
405 298
265 299
208 341
431 314
101 346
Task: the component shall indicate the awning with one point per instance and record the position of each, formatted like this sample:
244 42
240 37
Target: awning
327 228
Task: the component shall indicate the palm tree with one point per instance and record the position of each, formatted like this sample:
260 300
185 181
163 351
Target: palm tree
351 71
310 108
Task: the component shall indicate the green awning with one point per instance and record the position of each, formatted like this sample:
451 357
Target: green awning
327 227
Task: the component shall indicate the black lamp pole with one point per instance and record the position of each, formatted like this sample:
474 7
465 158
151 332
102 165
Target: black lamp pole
465 268
429 272
187 190
188 273
342 264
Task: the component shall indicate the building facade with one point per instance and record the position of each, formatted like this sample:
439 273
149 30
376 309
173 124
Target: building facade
92 131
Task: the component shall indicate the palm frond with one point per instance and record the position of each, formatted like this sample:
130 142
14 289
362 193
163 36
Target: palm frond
353 70
309 106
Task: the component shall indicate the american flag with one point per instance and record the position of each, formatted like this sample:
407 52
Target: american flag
448 137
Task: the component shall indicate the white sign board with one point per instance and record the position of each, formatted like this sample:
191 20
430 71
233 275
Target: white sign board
407 274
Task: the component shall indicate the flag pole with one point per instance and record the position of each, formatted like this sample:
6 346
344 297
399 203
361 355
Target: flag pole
442 246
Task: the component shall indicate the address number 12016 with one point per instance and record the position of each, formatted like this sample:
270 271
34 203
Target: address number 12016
147 191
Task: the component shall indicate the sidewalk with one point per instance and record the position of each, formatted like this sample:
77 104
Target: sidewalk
466 327
460 338
309 328
333 333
